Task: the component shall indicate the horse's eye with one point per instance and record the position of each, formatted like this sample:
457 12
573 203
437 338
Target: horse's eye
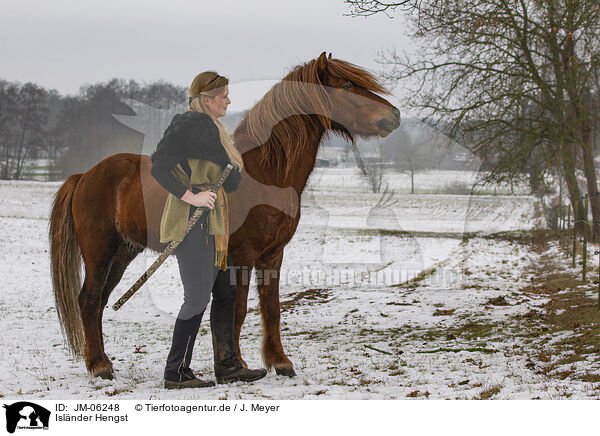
347 86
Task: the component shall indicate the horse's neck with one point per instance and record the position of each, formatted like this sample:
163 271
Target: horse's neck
300 172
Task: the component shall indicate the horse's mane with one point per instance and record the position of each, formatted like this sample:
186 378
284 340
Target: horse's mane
278 121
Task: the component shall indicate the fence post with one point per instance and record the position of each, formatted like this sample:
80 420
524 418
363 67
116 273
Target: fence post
568 225
575 232
559 223
598 252
563 231
585 214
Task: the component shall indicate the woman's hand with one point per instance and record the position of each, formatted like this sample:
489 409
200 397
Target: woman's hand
204 198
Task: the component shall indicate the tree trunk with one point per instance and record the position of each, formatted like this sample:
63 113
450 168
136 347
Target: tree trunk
22 150
589 169
568 172
6 169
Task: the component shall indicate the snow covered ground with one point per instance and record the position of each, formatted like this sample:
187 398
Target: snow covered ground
379 302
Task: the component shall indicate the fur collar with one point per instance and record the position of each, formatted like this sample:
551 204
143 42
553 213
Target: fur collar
194 135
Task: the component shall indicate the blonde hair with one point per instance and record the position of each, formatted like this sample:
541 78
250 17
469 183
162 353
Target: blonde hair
211 84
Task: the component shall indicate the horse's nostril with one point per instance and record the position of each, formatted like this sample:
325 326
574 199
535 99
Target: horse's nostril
387 124
390 123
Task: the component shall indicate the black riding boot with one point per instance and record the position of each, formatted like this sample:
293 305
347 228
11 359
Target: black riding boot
228 368
177 371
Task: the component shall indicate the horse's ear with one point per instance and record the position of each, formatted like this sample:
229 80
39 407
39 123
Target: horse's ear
322 61
322 66
329 57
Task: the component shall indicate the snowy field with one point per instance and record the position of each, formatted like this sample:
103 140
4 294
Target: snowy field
379 302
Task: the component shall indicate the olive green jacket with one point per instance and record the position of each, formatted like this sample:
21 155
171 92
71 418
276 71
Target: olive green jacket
176 212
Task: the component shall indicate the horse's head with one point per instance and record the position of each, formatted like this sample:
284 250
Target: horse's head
321 95
355 107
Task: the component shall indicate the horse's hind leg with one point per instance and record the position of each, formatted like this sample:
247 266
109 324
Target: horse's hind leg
123 258
268 293
90 300
98 259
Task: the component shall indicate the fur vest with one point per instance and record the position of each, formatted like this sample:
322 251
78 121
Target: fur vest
191 153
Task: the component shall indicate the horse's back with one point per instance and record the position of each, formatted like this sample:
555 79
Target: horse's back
119 197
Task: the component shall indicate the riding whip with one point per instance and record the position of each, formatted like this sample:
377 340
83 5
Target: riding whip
172 245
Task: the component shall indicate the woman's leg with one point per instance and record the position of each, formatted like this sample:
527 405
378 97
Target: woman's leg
196 258
195 255
228 368
182 346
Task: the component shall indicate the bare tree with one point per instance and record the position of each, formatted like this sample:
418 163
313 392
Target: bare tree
8 103
87 129
32 115
515 77
415 152
23 114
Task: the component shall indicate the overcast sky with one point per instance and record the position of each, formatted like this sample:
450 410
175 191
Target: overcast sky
62 44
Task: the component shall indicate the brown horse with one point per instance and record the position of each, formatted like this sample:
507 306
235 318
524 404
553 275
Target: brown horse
108 215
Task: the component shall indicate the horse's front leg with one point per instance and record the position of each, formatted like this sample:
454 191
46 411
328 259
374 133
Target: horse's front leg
267 271
241 307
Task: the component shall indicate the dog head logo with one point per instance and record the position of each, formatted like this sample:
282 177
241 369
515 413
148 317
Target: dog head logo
26 415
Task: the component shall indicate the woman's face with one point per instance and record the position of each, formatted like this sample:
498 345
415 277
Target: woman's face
217 105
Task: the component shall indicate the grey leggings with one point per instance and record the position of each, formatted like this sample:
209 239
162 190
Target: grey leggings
196 258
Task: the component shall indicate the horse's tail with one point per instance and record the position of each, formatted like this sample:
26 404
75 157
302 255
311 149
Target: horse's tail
66 266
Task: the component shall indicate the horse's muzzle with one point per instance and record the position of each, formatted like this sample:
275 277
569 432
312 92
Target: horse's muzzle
388 124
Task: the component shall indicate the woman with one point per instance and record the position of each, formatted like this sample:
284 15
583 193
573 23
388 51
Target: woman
189 158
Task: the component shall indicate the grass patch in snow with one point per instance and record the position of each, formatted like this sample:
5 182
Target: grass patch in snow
488 393
570 315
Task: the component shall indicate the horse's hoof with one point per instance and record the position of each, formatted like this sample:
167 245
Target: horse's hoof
285 370
106 374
